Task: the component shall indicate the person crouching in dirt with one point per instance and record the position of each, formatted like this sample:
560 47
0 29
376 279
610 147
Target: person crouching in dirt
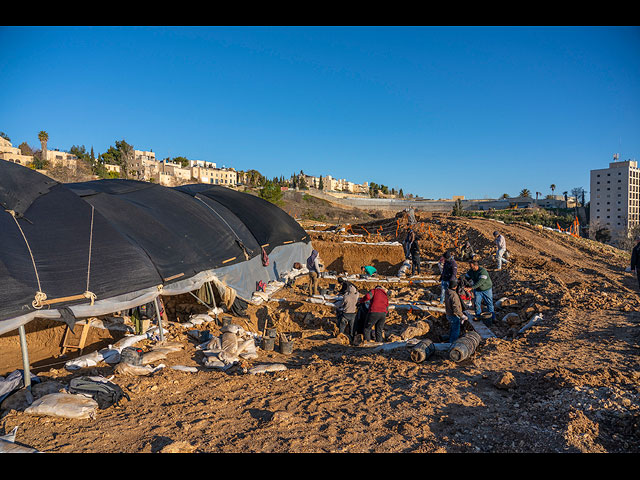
378 306
346 311
313 265
368 271
466 252
449 272
415 256
501 249
454 310
482 289
635 259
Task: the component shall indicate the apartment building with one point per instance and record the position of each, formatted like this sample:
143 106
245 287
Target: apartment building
615 197
330 184
143 166
12 154
57 158
215 176
173 174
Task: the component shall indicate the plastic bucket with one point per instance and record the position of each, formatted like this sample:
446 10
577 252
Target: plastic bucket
272 332
286 348
268 344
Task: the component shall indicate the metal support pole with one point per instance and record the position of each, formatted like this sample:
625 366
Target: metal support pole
213 298
159 317
25 357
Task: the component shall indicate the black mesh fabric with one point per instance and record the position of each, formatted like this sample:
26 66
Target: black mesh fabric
270 225
143 235
57 228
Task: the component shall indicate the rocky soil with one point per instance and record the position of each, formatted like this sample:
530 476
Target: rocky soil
570 383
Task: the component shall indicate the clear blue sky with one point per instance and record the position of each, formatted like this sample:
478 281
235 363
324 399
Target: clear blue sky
437 111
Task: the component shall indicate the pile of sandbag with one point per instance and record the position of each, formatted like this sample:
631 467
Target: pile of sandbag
111 354
230 348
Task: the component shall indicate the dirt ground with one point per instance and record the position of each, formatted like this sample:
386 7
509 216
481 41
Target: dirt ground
570 383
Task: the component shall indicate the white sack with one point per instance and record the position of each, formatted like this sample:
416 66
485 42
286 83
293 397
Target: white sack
64 405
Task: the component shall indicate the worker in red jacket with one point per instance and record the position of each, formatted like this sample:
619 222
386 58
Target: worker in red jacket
379 304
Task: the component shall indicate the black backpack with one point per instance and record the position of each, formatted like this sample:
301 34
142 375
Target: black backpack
105 393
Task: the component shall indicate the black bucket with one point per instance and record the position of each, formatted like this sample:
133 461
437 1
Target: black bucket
272 332
268 344
286 347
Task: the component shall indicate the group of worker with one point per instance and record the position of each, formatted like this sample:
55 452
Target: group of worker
476 281
367 314
362 315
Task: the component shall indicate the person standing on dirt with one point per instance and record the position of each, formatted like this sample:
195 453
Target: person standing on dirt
449 273
347 310
379 304
453 309
501 249
406 245
635 259
482 289
313 265
415 256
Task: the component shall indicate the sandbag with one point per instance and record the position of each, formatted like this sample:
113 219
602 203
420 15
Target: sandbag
133 370
153 356
264 368
64 405
229 342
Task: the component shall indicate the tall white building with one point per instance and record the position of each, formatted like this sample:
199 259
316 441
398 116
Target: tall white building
615 201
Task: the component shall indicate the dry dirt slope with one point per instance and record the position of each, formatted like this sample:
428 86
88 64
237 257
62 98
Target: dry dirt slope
568 384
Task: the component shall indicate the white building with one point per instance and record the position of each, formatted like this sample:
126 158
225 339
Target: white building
12 154
202 164
615 198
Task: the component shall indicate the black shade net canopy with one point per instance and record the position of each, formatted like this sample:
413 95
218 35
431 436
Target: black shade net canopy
69 244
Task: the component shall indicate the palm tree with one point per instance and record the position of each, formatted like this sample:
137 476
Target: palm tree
44 138
553 188
525 192
505 195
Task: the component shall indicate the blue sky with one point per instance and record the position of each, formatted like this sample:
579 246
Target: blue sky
436 111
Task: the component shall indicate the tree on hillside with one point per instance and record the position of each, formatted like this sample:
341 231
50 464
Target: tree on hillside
5 136
321 184
44 138
183 161
126 155
505 195
457 208
401 194
577 192
525 192
271 192
80 152
553 188
302 182
25 149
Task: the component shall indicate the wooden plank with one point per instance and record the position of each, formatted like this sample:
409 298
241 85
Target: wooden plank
479 326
